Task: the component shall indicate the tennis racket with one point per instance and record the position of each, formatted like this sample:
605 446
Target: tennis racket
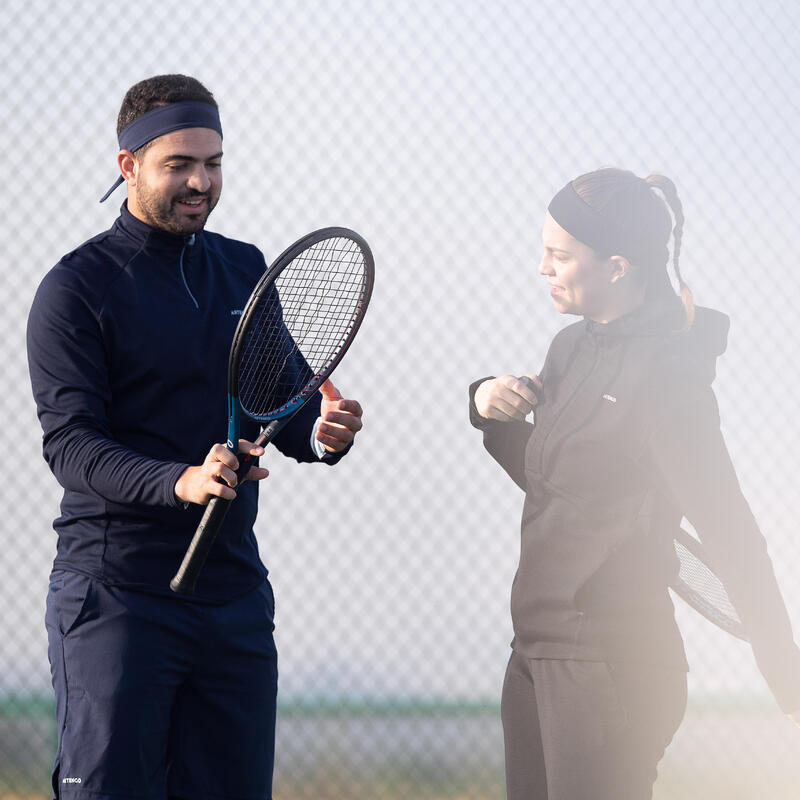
298 323
696 582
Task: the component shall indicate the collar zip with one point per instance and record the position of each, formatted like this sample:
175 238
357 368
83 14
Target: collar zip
187 242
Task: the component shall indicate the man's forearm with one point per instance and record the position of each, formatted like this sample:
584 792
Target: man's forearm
85 460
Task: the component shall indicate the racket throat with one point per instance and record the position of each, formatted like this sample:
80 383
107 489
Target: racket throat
234 413
269 431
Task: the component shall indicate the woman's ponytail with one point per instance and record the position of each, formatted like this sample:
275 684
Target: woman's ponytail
667 188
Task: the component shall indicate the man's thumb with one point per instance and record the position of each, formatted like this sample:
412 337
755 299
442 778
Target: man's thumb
329 391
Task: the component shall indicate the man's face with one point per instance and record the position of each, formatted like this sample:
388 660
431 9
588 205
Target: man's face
177 180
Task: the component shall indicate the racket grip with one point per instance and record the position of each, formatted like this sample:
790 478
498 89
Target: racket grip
197 552
245 459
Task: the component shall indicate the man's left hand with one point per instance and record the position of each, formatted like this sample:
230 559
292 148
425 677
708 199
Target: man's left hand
341 419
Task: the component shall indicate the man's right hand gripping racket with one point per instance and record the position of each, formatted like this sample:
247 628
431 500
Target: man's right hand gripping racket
294 330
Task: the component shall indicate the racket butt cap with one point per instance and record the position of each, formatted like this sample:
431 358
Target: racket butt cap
180 585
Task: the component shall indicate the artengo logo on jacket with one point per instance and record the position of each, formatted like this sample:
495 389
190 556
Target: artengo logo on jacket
236 312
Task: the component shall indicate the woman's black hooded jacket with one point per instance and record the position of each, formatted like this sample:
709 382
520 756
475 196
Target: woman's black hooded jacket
626 442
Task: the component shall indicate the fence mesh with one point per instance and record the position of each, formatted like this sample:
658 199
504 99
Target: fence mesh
438 130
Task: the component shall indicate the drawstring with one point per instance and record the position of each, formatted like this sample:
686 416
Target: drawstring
189 241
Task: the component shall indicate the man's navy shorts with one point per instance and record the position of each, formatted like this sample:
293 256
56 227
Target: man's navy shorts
159 697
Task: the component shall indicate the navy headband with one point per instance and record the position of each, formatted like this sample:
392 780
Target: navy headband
634 225
165 119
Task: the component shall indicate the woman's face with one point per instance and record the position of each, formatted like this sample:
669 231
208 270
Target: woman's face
580 281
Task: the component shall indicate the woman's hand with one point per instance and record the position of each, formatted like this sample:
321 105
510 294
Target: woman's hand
507 397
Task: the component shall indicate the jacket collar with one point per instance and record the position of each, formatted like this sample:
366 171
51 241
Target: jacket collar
153 238
658 317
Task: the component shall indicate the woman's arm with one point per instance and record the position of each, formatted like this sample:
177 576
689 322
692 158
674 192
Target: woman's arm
500 411
694 468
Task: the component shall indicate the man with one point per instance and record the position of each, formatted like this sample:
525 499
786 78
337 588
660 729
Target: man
159 695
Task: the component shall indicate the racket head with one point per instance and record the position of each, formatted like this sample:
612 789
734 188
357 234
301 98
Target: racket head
697 584
299 322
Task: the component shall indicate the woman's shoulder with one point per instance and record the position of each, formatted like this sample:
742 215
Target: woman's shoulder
680 376
694 352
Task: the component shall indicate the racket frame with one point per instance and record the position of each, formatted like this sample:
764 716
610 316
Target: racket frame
694 598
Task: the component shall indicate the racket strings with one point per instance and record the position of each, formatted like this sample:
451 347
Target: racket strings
297 332
704 590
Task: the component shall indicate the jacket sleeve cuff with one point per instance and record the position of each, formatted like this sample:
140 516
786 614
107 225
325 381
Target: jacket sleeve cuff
476 420
170 498
316 445
319 449
334 458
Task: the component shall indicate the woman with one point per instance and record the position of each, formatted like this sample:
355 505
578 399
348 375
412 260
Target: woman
625 443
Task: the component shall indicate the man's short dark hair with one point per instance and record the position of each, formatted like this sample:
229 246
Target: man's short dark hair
160 90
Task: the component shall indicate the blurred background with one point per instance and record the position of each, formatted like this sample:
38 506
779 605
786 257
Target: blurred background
438 130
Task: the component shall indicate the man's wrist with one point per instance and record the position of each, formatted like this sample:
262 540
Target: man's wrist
316 445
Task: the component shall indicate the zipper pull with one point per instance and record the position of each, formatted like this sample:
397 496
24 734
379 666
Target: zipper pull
187 242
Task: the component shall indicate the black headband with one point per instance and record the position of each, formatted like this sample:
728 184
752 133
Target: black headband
635 225
165 119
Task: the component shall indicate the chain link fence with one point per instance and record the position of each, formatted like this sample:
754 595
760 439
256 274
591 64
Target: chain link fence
439 130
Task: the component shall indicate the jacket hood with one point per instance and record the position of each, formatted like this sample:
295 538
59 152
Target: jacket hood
698 347
705 341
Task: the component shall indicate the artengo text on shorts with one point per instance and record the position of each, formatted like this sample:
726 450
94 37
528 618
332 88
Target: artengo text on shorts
71 780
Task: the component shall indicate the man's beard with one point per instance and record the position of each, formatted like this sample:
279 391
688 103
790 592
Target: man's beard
160 211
